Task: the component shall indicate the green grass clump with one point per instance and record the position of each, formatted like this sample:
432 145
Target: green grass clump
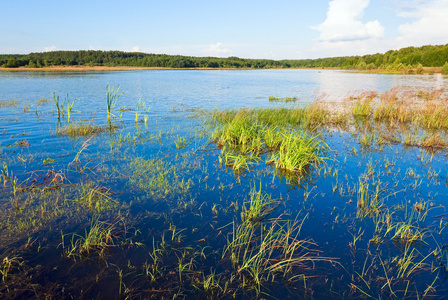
299 151
98 239
83 129
238 162
239 131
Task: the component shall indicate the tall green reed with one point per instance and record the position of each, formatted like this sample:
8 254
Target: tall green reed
112 96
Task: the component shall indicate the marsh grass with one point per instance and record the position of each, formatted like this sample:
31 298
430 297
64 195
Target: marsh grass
259 207
141 109
59 105
83 129
248 132
112 96
95 198
69 108
9 265
157 178
299 151
98 240
369 203
238 162
9 103
273 98
43 101
260 254
263 252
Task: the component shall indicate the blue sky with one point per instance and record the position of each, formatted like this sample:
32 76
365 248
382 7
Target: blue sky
250 29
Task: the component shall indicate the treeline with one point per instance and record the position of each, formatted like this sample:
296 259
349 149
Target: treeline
404 59
131 59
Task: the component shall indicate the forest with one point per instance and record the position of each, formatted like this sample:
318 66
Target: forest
395 60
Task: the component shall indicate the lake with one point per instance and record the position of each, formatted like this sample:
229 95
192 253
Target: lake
165 199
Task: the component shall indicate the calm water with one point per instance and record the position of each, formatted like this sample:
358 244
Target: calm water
203 211
203 89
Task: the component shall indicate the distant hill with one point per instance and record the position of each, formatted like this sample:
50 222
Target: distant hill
405 58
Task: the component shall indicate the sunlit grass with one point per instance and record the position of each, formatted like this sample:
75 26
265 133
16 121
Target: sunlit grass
83 129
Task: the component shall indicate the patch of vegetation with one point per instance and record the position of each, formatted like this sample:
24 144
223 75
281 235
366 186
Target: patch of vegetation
83 129
9 103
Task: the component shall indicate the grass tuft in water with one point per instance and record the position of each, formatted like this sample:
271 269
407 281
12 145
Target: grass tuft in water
299 151
112 96
9 103
83 129
98 239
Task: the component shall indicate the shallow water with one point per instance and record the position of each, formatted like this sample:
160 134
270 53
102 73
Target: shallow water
186 197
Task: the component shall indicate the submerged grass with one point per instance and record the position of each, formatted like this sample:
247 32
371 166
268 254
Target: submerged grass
156 178
261 252
97 240
9 103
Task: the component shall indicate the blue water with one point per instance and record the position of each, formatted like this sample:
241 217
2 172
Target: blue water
177 100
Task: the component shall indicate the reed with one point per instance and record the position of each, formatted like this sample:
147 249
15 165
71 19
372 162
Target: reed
59 106
69 108
112 96
141 108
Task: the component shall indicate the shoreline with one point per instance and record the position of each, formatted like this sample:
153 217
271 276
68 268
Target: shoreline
82 68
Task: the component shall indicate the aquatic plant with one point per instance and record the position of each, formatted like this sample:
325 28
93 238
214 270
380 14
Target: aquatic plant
299 151
238 162
157 178
141 108
272 98
261 253
95 198
9 103
98 239
259 207
112 96
368 203
59 106
83 129
69 108
181 142
8 265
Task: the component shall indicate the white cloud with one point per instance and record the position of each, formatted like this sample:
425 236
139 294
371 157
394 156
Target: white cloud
136 49
51 48
430 26
217 50
344 22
